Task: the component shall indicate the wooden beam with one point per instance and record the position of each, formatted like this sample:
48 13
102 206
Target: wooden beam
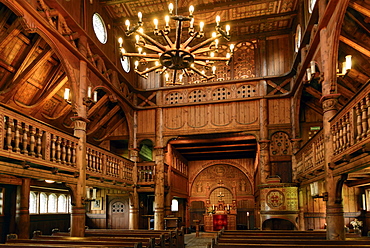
98 105
212 146
358 183
344 91
360 8
313 92
355 46
215 140
218 151
315 107
105 119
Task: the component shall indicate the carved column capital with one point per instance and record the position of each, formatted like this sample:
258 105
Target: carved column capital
329 102
264 144
80 123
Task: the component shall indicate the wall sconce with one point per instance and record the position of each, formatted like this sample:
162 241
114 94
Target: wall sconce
90 194
311 71
314 187
49 181
346 66
92 97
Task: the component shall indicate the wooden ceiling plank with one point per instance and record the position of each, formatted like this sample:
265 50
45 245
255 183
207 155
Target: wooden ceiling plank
312 91
104 120
317 108
355 46
358 183
14 29
111 130
344 91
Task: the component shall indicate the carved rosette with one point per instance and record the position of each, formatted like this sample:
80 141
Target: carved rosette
264 145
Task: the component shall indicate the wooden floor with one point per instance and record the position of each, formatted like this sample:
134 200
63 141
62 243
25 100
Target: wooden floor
199 242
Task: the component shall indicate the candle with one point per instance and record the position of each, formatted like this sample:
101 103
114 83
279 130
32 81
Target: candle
228 206
213 206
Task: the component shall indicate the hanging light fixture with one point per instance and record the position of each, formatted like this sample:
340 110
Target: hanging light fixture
183 59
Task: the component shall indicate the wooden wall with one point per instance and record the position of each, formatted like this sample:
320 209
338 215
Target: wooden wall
279 55
47 222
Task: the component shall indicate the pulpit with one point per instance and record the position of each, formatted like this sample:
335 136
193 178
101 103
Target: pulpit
220 216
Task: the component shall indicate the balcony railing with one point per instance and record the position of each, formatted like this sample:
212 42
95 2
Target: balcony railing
311 157
26 139
350 128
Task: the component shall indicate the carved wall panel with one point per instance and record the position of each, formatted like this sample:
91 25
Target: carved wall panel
279 199
244 60
174 118
221 176
197 111
221 114
280 144
247 112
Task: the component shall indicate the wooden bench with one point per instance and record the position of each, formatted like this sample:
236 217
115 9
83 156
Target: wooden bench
173 238
237 245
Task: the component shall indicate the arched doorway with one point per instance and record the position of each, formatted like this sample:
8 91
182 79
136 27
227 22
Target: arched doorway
277 224
118 213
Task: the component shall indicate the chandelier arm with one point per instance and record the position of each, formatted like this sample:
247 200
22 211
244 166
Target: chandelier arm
153 56
153 41
223 33
203 50
153 48
178 34
211 58
141 74
202 74
200 63
174 77
202 44
152 69
167 39
189 40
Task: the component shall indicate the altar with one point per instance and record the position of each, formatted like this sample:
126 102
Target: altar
220 216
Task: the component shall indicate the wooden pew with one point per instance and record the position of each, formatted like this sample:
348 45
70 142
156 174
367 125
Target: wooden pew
173 238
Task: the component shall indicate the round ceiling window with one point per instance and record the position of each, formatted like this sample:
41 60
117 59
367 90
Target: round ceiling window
100 28
125 62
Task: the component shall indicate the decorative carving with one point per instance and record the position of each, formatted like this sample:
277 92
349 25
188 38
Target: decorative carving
275 198
280 144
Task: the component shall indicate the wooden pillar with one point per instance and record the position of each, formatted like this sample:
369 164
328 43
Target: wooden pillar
23 211
301 209
264 142
334 209
79 91
159 173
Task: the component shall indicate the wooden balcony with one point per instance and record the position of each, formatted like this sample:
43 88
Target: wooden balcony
350 129
44 151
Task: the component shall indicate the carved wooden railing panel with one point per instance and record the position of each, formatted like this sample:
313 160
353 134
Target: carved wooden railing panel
28 140
310 157
145 172
100 161
350 128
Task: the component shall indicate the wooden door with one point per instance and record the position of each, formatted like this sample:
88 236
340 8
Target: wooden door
118 216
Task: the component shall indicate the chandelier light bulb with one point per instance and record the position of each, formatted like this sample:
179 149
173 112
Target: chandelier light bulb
308 74
192 23
218 19
120 41
214 69
140 15
216 43
232 46
212 54
348 62
191 10
166 76
127 23
66 93
123 50
136 64
227 29
201 26
137 38
214 34
89 92
155 21
313 67
228 55
180 77
170 8
140 49
140 30
167 19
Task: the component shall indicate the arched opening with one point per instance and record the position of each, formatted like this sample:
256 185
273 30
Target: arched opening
277 224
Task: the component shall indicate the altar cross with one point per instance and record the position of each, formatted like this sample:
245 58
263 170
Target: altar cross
221 195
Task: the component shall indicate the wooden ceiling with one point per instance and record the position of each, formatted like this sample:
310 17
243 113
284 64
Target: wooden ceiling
245 17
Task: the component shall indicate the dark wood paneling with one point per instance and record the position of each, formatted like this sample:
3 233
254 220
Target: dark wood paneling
279 55
47 222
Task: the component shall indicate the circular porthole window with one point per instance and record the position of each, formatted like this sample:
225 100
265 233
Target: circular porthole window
125 62
311 5
99 28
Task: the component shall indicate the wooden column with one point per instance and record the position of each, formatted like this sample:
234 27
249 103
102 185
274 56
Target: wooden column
79 91
159 173
23 211
134 199
334 210
264 142
301 208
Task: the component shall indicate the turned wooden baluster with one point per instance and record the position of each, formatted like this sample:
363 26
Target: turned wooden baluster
99 163
344 132
358 121
340 126
32 141
58 149
9 128
109 169
25 131
17 136
337 137
39 135
88 158
73 154
364 118
64 151
349 129
53 148
368 112
68 147
95 155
